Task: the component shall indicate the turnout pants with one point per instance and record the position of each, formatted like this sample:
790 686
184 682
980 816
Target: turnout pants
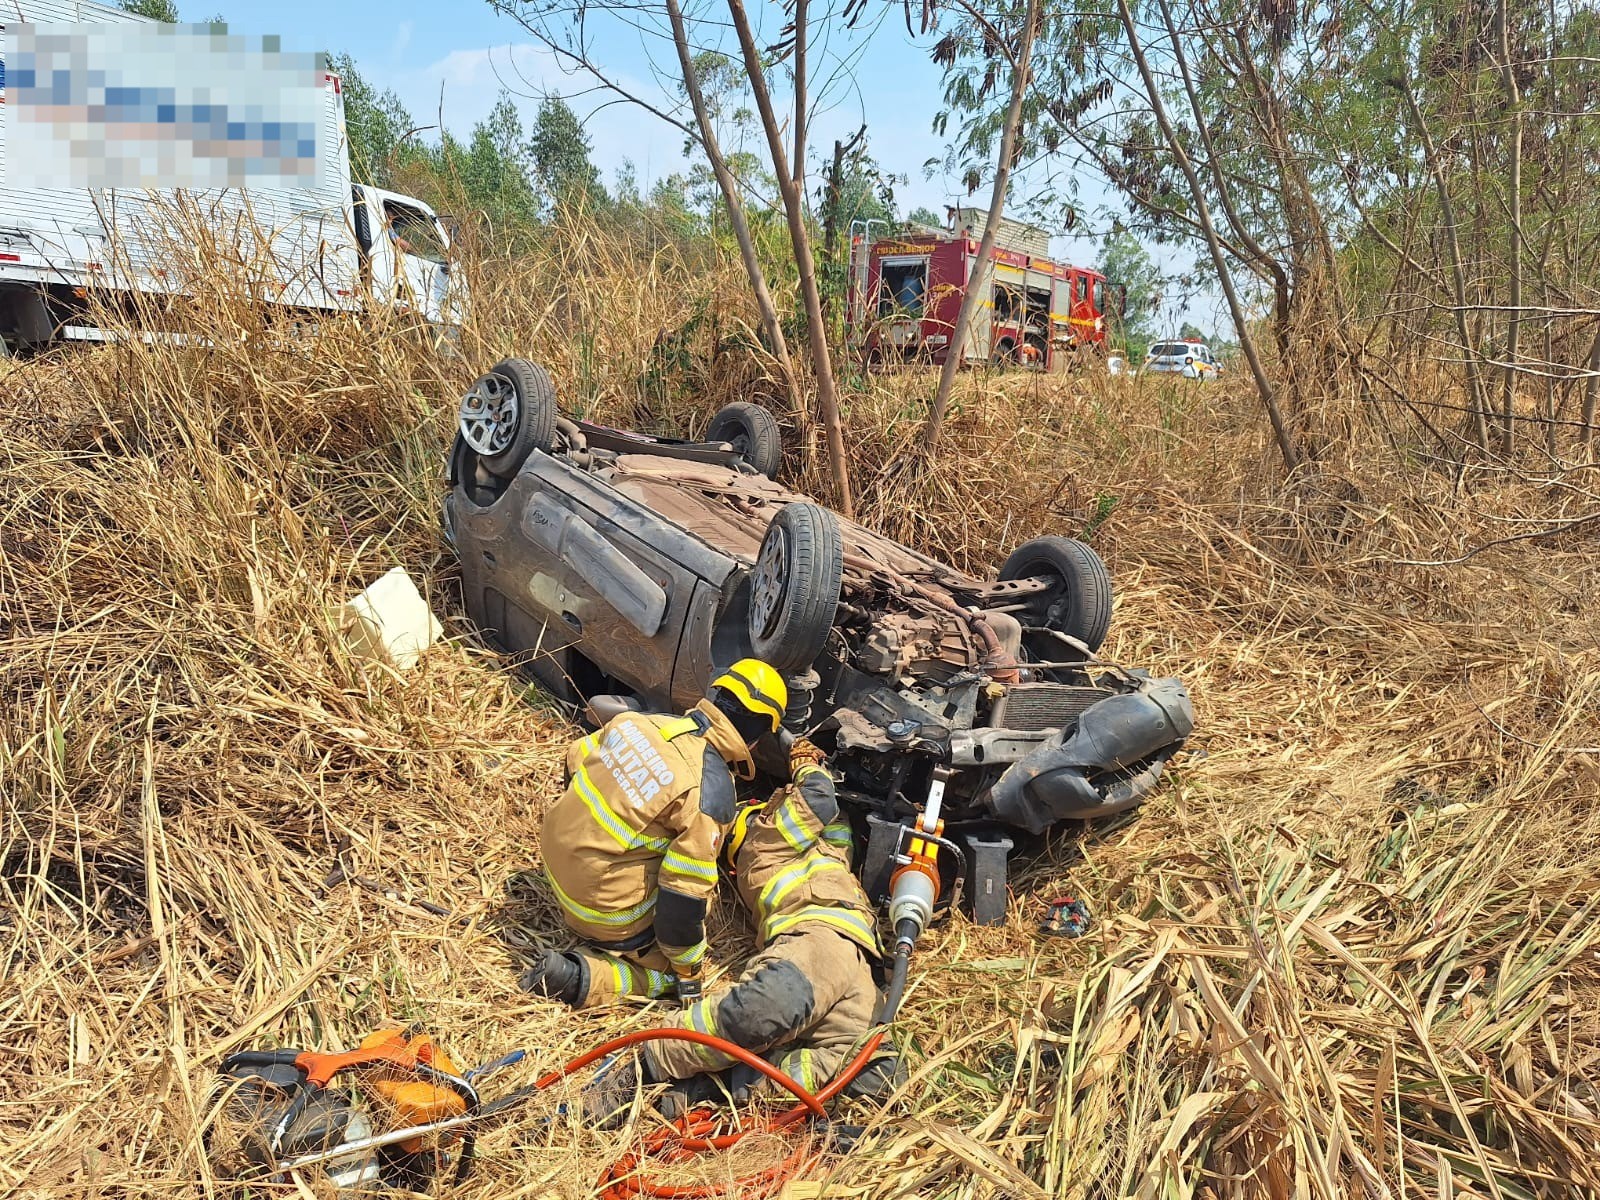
804 1003
613 973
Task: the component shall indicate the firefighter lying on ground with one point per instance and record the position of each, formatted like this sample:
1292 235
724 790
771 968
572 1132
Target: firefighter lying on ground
807 999
630 848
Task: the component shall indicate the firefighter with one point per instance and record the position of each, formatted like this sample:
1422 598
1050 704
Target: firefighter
630 848
807 999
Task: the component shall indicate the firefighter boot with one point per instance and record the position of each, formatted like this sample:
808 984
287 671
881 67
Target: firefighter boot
878 1078
559 976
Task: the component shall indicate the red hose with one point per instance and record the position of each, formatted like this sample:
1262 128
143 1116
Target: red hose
696 1132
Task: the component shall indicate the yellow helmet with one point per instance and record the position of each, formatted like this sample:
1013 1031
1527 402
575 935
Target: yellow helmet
757 687
737 832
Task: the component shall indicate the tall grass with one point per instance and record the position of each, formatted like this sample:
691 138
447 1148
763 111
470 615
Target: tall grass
1350 949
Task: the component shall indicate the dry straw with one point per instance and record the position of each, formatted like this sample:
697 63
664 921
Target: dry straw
1352 949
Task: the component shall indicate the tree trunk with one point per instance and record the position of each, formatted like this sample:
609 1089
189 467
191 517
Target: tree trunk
830 220
1458 275
1247 342
800 129
1514 208
741 228
956 351
794 209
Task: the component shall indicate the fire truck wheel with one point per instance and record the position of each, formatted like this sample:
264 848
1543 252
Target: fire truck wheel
753 433
1078 603
794 590
1005 353
508 414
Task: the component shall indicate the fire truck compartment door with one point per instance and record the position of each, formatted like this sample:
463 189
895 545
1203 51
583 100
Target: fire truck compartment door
981 276
1061 302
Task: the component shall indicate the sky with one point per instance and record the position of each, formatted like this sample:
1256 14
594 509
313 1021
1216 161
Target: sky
453 60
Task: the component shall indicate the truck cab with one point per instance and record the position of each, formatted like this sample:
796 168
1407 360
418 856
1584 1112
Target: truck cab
405 251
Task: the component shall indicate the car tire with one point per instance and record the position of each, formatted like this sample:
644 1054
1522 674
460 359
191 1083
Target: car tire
507 414
753 432
794 589
1080 605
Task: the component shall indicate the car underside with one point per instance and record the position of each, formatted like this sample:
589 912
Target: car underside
613 564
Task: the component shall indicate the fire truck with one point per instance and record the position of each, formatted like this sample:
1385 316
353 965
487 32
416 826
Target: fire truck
906 289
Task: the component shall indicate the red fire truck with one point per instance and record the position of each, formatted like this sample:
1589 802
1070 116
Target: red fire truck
906 289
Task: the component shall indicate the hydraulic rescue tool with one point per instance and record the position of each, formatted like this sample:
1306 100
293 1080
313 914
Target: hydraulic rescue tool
291 1121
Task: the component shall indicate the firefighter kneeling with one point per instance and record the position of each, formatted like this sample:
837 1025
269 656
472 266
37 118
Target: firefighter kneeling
807 999
630 848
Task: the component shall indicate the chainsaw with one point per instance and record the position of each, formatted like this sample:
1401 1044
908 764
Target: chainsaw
283 1106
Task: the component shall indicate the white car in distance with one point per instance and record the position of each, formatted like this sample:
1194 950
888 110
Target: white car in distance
1192 359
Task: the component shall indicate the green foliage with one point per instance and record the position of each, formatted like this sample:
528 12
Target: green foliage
494 170
726 92
376 123
865 193
1127 265
559 149
922 215
156 10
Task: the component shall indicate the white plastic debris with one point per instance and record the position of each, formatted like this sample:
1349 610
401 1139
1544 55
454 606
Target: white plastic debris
390 621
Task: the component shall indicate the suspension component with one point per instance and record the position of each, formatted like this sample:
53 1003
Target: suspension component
802 687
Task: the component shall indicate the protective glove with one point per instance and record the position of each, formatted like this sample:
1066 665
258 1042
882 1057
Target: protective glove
804 753
687 989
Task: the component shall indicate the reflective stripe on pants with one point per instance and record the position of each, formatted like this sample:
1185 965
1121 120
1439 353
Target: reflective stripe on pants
845 998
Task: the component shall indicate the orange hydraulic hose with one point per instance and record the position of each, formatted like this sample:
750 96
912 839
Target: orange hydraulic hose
695 1132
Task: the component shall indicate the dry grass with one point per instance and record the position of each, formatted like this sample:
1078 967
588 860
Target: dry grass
1351 949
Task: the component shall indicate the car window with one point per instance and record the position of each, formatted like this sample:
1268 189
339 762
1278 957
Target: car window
1100 295
414 232
1169 350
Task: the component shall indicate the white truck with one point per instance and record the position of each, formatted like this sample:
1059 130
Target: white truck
341 247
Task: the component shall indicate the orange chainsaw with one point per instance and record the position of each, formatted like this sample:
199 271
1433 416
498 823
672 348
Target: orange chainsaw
284 1105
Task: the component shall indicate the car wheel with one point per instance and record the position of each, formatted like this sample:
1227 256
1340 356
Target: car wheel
508 414
1079 603
794 590
753 433
477 485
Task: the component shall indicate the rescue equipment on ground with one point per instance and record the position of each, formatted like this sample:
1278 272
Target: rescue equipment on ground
1068 917
293 1121
283 1105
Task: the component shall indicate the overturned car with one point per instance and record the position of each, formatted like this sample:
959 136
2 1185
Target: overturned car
624 569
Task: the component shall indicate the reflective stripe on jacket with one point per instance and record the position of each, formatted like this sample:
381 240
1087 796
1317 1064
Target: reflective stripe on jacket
793 870
648 801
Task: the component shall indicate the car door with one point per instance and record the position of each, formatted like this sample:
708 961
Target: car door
626 580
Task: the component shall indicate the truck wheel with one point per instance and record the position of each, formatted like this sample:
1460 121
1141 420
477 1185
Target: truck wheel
794 591
753 433
1078 603
507 414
